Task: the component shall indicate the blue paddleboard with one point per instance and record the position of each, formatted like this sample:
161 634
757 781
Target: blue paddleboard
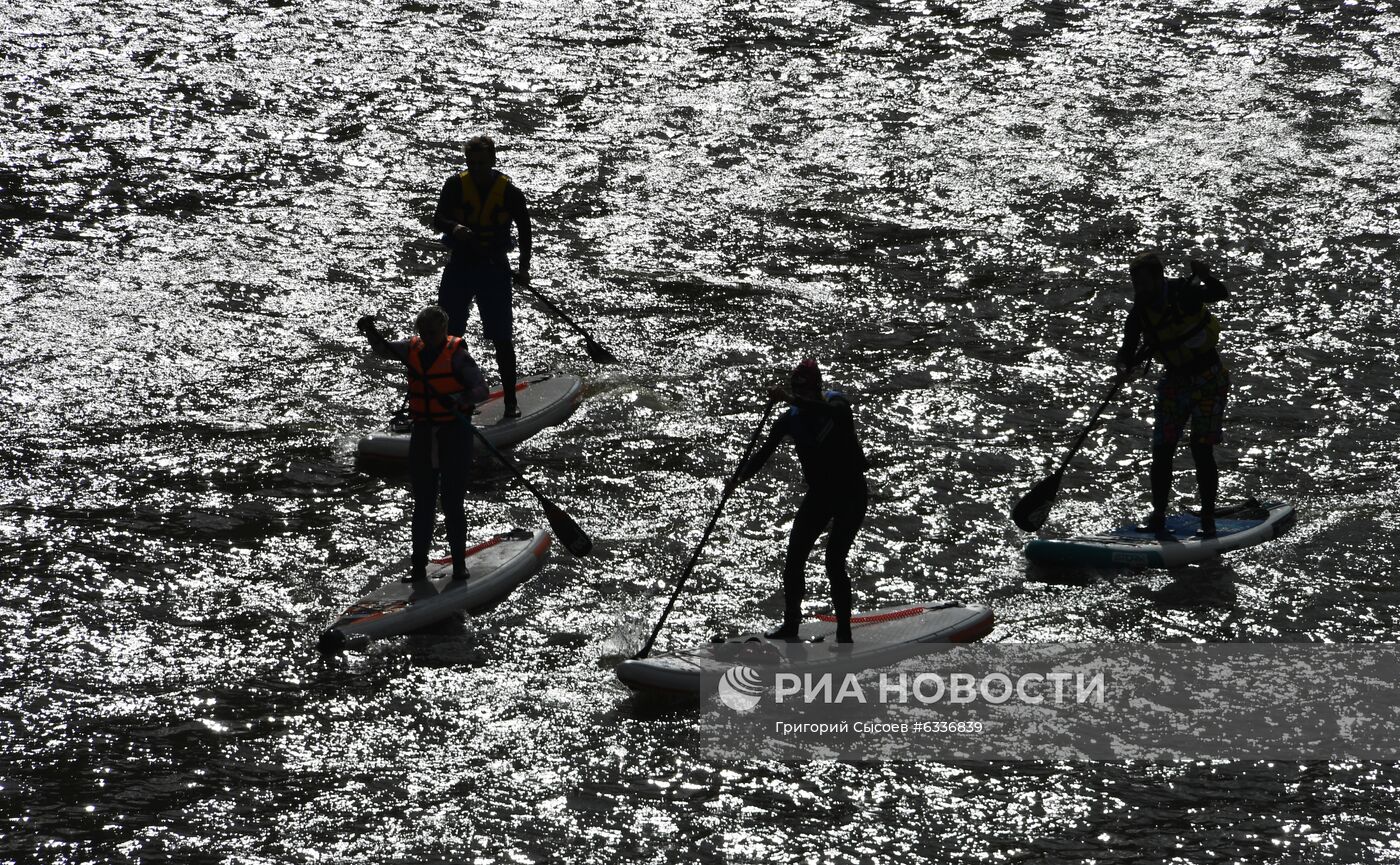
1237 527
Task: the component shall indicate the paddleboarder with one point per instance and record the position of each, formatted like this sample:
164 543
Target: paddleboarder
441 376
823 432
1170 315
474 212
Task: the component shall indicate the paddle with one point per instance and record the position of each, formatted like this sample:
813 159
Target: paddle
590 345
724 497
565 528
595 350
1031 512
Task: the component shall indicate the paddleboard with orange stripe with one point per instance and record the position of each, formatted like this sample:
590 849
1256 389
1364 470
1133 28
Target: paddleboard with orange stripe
877 636
495 568
544 401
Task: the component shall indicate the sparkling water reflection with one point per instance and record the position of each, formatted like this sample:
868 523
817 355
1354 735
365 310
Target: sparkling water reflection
936 199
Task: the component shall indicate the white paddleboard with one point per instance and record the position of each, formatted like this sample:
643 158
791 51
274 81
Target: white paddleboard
544 400
877 637
495 568
1124 547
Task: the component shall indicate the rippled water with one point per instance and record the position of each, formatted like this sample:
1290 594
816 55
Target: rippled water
936 199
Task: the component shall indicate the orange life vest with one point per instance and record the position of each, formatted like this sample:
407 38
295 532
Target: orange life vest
439 376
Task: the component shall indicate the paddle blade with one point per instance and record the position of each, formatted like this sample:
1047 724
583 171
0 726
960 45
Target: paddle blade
575 539
598 352
1031 512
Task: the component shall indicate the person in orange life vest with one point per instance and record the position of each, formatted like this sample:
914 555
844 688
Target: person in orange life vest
1171 317
474 212
441 376
823 433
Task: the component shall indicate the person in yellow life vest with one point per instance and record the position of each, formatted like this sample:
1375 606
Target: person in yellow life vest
1170 315
443 382
475 212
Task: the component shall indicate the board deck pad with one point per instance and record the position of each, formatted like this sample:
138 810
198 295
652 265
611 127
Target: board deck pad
495 568
544 401
1244 525
877 634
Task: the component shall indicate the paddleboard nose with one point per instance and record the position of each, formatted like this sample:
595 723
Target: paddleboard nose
332 641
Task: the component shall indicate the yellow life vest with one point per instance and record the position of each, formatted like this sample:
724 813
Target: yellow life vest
487 218
1180 341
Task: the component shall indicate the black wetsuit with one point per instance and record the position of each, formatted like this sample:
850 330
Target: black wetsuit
833 465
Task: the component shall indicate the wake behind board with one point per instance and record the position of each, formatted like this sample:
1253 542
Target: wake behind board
544 400
878 637
495 568
1236 527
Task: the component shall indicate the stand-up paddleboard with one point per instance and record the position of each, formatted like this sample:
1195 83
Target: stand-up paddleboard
544 400
494 569
1236 527
878 636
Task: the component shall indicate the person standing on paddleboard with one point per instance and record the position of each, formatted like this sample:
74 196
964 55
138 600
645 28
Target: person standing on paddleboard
474 213
442 377
1170 315
823 432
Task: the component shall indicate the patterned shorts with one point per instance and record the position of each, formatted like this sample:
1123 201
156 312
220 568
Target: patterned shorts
1200 398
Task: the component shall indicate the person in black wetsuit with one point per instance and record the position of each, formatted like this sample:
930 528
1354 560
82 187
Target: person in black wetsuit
1170 315
474 212
823 432
441 376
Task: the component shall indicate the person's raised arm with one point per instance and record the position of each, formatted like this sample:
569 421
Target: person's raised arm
377 343
1212 289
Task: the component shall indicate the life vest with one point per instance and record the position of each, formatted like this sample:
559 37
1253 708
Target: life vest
487 218
811 430
1181 341
439 376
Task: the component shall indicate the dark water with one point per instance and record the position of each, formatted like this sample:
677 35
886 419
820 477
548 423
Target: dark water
936 199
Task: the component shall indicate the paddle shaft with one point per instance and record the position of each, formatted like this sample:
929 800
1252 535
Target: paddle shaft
549 305
1031 511
714 518
1113 389
595 350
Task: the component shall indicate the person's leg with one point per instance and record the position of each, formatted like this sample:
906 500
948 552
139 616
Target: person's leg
850 513
493 301
1207 431
1172 410
812 516
505 362
1208 482
455 454
424 477
1161 480
455 297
